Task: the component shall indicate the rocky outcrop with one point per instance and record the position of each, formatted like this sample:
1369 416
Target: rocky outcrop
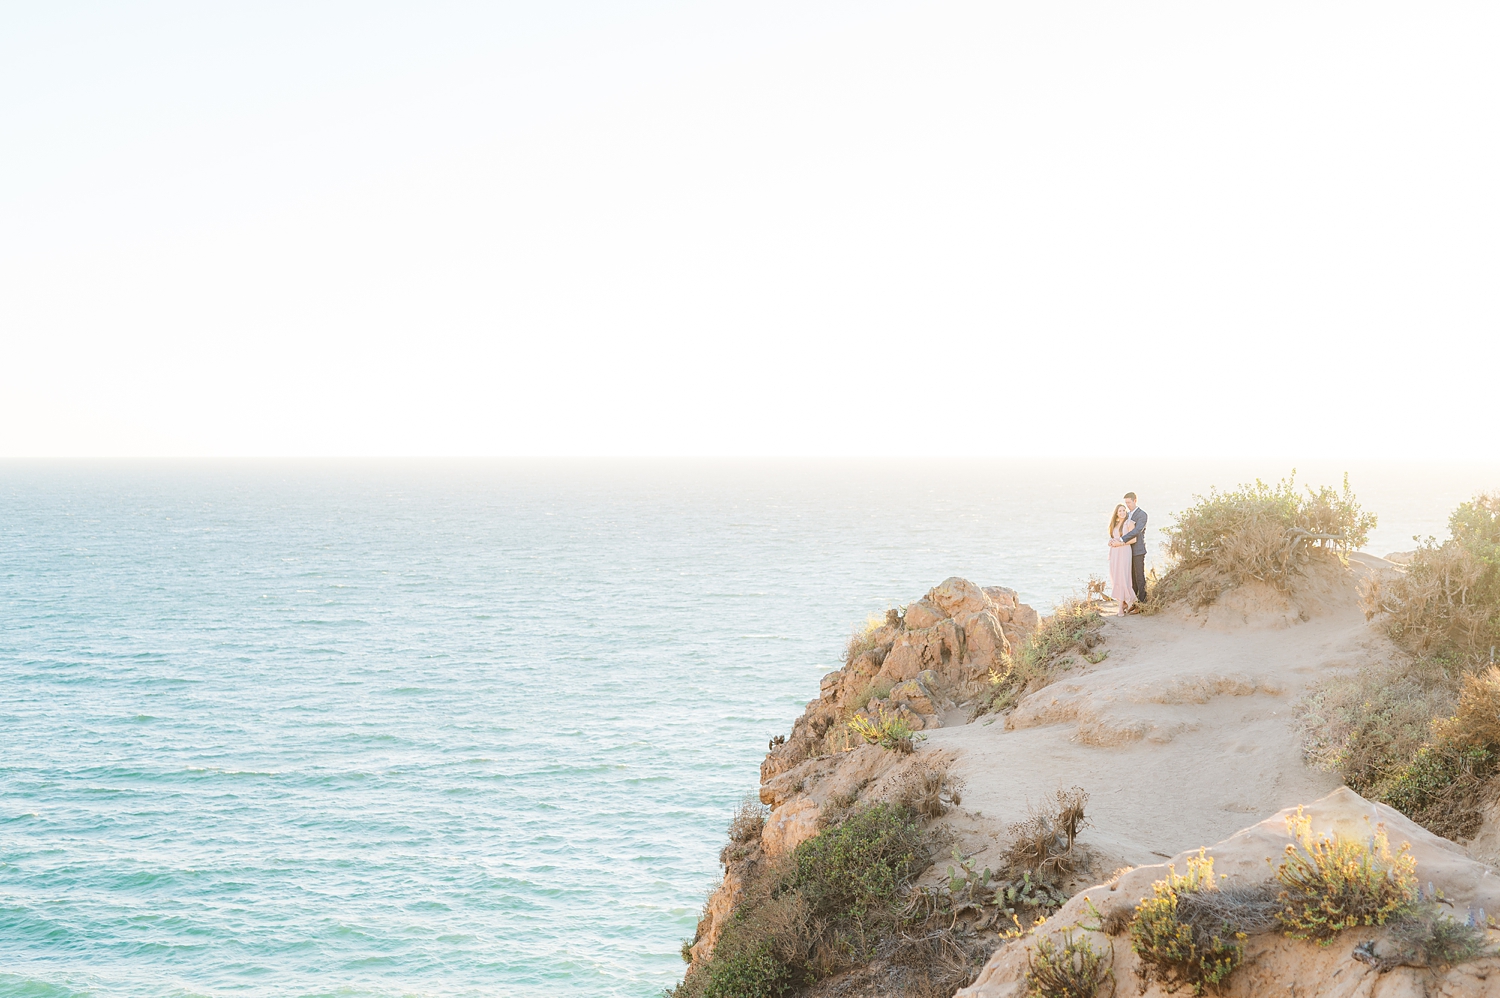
937 655
1275 964
917 694
789 826
913 670
959 597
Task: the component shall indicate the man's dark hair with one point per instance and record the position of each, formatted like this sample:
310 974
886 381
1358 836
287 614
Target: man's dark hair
1131 495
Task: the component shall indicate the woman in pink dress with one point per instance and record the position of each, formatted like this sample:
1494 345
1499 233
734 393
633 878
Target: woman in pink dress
1120 585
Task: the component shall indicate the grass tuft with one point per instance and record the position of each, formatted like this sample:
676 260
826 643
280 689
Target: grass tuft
1070 968
1043 844
1074 627
748 820
1429 936
865 638
926 787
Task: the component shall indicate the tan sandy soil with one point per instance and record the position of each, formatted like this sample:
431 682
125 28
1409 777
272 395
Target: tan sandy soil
1183 735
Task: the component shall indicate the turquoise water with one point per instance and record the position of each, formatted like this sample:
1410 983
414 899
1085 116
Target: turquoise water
456 728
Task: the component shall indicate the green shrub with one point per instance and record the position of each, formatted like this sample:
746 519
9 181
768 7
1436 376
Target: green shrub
856 870
766 944
1385 732
837 899
1368 725
1258 533
1443 786
1181 940
889 732
756 974
1333 884
1443 792
1071 969
1429 936
1448 598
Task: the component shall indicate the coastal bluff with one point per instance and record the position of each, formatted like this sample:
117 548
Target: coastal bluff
1181 731
924 661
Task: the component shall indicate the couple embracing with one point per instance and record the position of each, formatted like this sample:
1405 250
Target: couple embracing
1127 555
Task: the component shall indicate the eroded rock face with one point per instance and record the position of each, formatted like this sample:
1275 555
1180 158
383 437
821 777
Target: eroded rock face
805 740
949 650
939 648
949 637
906 658
916 695
985 644
956 597
866 665
923 614
789 826
904 713
1004 598
717 911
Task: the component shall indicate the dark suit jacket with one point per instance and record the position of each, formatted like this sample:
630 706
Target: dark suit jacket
1138 549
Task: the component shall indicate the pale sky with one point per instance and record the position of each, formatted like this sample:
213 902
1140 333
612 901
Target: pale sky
771 228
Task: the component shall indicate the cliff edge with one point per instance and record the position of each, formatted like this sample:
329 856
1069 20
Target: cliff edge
1178 730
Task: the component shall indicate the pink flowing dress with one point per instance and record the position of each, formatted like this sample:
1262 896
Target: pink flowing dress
1121 587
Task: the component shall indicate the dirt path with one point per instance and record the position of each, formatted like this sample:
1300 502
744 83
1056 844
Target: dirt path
1182 736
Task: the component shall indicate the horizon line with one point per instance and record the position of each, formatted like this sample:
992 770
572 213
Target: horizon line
1052 457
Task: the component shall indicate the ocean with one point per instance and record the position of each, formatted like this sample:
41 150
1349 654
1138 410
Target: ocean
463 728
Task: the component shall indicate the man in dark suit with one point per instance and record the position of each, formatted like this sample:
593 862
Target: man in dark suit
1137 550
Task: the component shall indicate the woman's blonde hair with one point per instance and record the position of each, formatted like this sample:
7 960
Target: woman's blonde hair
1115 518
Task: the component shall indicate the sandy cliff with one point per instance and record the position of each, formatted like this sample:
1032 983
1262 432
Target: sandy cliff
1184 735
